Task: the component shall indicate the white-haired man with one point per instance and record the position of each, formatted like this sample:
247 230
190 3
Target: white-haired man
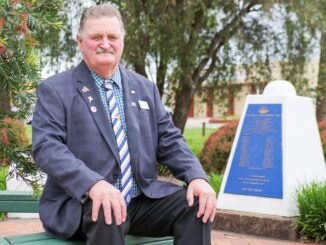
98 132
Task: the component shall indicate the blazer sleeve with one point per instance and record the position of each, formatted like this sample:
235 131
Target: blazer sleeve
50 151
172 149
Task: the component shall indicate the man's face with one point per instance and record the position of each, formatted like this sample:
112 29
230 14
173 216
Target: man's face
101 42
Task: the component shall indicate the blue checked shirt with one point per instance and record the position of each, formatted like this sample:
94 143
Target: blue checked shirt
118 93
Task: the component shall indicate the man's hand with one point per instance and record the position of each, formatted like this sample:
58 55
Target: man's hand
110 198
207 199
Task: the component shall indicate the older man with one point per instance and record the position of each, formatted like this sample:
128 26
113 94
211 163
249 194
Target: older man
98 132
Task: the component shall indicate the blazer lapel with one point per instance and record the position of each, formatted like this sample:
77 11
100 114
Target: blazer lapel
88 90
131 93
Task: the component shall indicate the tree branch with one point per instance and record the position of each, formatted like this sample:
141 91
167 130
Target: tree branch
219 40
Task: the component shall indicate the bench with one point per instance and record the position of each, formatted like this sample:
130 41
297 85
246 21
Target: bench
24 202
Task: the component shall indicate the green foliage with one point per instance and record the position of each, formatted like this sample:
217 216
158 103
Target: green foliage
306 28
217 148
215 181
311 202
25 26
59 47
29 133
163 170
3 176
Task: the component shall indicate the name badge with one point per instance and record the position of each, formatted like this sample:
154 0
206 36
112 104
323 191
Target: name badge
143 104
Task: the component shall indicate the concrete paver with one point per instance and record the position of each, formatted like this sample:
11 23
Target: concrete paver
26 226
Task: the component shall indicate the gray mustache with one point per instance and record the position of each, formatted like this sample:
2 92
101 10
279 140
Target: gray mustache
103 51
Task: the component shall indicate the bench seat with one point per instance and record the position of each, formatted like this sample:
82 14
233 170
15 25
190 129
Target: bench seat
13 201
42 238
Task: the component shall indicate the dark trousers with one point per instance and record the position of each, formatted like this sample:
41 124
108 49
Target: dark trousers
168 216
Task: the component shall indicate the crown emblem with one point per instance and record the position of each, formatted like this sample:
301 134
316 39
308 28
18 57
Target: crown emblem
263 110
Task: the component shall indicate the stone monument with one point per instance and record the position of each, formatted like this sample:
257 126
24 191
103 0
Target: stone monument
277 147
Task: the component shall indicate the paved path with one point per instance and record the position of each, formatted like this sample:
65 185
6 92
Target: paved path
24 226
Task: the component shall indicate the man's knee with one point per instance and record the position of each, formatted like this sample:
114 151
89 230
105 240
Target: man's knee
101 221
180 202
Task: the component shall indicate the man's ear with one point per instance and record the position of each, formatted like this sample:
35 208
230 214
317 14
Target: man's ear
79 40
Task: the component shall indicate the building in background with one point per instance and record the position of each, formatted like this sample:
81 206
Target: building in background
231 105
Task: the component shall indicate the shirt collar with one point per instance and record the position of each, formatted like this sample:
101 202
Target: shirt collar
116 78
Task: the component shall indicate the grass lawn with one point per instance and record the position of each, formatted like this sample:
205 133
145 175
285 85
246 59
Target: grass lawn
195 140
29 133
193 137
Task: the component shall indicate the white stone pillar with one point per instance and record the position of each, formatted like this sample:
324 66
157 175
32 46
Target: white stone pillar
277 147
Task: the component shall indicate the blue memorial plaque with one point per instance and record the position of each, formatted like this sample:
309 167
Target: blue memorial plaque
256 168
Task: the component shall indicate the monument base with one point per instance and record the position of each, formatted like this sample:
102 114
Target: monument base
255 224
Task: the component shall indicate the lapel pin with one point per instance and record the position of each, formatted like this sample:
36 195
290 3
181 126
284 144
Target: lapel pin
133 104
133 91
93 109
85 89
90 99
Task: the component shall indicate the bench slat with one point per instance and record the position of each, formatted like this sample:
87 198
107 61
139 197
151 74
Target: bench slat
39 238
19 206
135 240
3 241
16 239
17 196
42 238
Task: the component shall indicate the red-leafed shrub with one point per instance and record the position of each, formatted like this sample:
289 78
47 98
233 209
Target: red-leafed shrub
217 148
12 136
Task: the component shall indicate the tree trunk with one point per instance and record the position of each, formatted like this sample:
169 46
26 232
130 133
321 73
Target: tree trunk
4 100
321 97
161 73
182 104
140 68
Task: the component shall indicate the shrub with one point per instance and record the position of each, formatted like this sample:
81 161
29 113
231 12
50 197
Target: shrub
217 148
3 176
164 170
14 149
311 202
12 136
216 181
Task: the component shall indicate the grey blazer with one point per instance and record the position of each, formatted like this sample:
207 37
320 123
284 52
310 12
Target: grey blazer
73 142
